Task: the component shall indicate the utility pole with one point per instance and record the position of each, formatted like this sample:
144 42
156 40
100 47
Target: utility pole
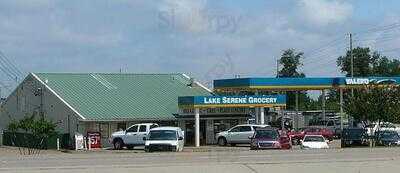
351 61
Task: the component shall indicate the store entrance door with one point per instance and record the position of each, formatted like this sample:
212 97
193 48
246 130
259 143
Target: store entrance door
189 133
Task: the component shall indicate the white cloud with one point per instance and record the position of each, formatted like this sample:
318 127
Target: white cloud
323 12
187 15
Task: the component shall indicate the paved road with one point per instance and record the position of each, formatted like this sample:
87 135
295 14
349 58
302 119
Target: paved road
237 160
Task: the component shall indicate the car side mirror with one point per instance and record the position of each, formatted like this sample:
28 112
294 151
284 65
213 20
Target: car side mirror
180 138
250 137
144 138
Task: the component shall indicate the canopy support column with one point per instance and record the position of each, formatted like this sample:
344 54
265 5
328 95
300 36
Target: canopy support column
257 111
324 105
197 126
262 115
341 108
296 117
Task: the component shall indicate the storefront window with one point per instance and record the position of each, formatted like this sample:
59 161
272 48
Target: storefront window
104 130
222 125
121 126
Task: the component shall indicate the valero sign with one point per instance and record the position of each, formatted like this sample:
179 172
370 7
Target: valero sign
366 81
233 101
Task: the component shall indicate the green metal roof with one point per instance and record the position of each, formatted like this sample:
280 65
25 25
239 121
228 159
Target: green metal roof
122 96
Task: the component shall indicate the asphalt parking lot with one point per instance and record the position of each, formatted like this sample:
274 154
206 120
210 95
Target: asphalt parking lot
205 159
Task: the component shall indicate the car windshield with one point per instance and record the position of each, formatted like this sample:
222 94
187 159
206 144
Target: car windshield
266 134
314 139
162 135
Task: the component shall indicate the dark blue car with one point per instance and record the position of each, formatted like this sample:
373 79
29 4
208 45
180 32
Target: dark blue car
388 138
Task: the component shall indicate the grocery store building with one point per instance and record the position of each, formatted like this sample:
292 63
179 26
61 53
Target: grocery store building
96 102
105 103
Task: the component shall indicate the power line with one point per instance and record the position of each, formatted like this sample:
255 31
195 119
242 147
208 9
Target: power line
10 64
322 48
391 50
327 49
5 86
319 57
6 71
381 28
4 65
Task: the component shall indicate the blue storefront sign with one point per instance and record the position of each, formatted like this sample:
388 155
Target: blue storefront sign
233 101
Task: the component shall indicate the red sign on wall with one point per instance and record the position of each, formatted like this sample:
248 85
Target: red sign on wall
94 139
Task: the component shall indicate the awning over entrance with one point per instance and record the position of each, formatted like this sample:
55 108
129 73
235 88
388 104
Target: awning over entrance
257 101
232 101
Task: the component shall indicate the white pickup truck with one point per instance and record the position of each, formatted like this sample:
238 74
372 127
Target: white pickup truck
384 126
132 136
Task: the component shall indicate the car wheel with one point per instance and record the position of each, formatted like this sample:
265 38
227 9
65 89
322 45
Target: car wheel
118 144
221 141
147 150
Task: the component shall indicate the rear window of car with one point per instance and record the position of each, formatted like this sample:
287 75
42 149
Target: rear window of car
314 139
272 134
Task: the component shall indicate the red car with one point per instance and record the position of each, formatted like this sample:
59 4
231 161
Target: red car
299 135
269 138
296 136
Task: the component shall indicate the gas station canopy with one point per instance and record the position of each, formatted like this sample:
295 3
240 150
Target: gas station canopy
288 84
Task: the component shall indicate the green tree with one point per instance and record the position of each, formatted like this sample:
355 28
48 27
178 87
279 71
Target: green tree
366 64
332 100
362 62
290 61
383 66
375 103
35 131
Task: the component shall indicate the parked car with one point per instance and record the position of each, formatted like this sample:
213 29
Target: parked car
131 137
387 138
296 135
237 135
384 126
299 135
314 142
354 137
332 124
164 139
269 138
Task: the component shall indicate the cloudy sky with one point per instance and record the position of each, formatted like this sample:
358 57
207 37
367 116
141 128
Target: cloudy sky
206 39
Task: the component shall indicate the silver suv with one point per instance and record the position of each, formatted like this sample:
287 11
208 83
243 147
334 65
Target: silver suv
237 135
